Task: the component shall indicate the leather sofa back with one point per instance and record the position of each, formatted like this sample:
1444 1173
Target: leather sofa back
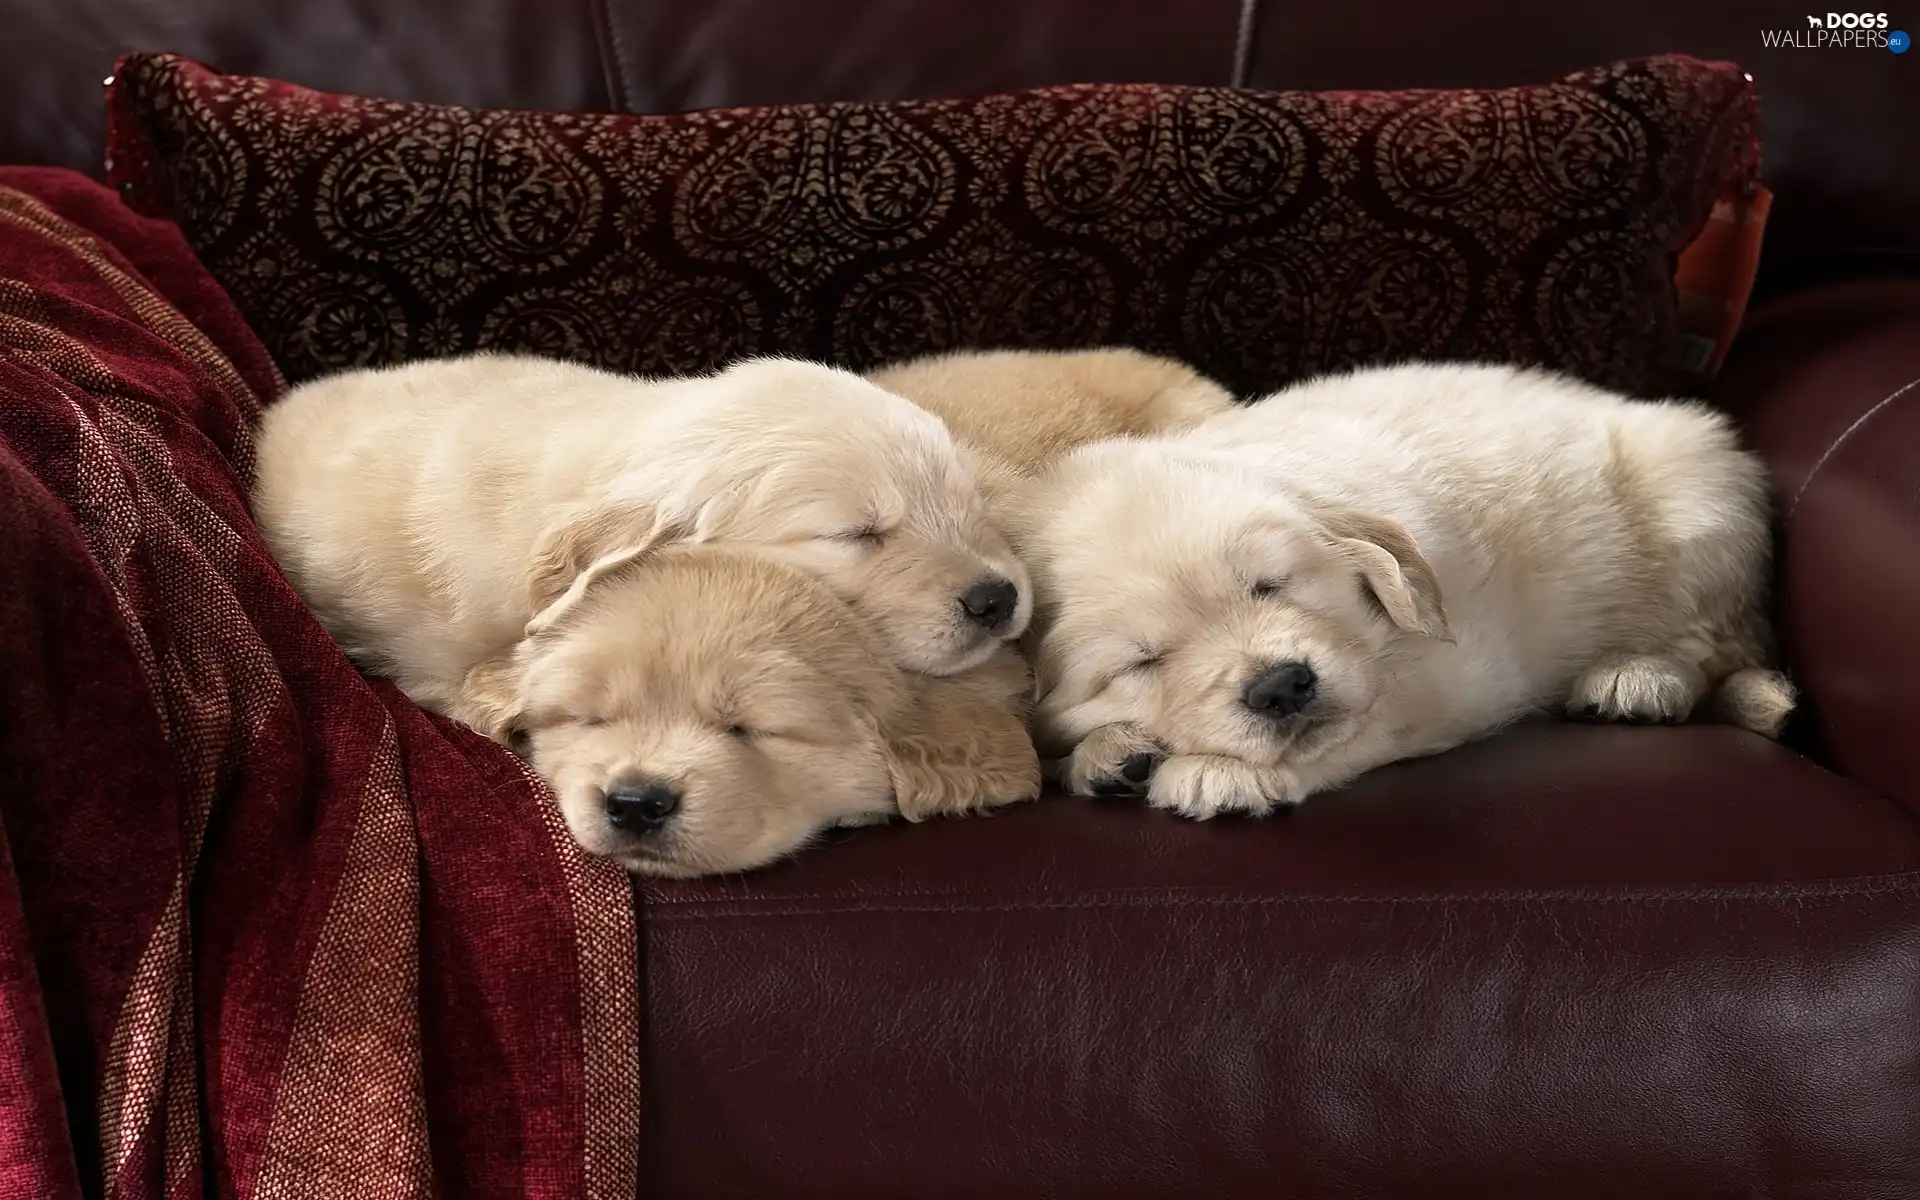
1842 124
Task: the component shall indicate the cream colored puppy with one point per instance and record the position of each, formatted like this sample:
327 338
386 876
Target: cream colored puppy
700 710
420 509
1387 564
1021 410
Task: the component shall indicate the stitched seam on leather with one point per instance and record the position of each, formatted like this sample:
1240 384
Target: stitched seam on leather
1871 887
1794 505
613 59
1243 43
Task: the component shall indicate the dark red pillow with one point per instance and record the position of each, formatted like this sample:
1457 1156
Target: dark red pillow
1260 235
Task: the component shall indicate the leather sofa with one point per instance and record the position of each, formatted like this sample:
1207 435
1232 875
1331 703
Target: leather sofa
1568 962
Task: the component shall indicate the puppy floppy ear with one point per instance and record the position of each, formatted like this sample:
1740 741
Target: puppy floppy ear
1397 574
489 700
961 742
585 544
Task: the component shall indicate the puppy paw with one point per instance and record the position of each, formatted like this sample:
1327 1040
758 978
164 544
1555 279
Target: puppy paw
1113 760
1205 785
1637 690
1756 699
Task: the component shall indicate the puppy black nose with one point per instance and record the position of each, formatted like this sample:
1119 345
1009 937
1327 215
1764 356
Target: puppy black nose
1281 690
641 806
989 603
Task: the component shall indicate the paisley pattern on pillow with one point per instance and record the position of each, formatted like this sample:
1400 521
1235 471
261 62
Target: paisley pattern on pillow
1260 235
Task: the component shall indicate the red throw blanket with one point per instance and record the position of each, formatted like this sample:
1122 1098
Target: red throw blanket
266 930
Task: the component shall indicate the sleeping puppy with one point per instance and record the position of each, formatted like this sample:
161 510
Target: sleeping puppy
1020 410
410 506
700 710
1387 564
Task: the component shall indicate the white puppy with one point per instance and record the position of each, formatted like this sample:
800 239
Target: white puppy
1388 564
423 510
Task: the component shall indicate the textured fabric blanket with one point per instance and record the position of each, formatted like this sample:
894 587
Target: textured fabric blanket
266 930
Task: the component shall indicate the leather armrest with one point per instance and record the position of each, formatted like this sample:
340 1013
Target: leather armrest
1827 385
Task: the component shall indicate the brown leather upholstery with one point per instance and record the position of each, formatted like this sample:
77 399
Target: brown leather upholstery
1571 963
1565 963
674 57
1828 384
1847 171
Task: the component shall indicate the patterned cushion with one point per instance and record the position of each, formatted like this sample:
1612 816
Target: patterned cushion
1261 235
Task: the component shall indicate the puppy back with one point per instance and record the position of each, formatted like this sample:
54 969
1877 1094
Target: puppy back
1027 408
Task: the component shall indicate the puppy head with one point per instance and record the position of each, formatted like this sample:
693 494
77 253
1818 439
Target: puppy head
830 474
1193 597
699 710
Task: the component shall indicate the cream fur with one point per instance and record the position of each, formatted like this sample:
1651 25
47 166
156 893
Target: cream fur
1021 410
1029 407
429 512
762 700
1447 548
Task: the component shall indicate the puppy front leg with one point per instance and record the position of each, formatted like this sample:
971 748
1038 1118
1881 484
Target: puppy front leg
1113 760
1205 785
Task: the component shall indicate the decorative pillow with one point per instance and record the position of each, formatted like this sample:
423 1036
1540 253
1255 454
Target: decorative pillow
1260 235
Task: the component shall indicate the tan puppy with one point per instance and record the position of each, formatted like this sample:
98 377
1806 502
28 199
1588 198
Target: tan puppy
1020 410
421 509
700 710
1387 564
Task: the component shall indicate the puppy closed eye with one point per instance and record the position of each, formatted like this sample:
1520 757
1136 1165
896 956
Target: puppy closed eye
767 735
1139 668
726 718
860 535
1268 587
758 729
1143 664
